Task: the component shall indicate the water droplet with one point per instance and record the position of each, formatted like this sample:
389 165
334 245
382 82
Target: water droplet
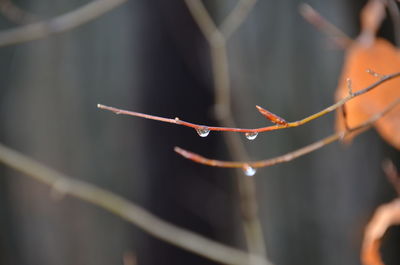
203 131
251 135
249 171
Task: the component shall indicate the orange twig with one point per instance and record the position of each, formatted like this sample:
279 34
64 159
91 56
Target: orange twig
280 123
286 157
392 175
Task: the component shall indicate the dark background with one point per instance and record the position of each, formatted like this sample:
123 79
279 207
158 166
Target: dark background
149 56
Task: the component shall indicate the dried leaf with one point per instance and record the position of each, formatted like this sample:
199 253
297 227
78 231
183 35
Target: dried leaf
385 216
383 58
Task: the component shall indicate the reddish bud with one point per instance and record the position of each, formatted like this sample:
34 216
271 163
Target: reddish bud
272 117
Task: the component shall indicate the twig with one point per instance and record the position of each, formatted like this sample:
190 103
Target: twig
395 16
58 24
119 206
15 14
236 17
318 21
344 115
392 175
289 156
205 22
257 130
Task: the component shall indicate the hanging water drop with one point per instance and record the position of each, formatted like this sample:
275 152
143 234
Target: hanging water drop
203 131
251 135
249 171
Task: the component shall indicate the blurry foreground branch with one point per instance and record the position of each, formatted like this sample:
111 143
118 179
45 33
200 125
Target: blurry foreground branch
134 214
217 37
58 24
15 14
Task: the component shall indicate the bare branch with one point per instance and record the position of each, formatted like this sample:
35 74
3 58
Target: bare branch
217 38
392 174
205 22
58 24
318 21
262 129
395 16
16 14
119 206
289 156
236 17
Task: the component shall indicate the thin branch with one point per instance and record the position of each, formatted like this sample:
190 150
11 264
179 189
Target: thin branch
236 17
395 16
289 156
59 24
392 174
205 22
15 14
217 39
344 115
318 21
128 211
257 130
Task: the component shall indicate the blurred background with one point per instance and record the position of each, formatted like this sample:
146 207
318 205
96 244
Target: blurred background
150 56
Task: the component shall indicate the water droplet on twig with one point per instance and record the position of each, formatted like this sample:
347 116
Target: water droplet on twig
249 171
251 135
203 131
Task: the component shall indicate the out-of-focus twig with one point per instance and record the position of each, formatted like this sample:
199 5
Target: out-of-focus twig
371 17
62 23
15 14
278 124
130 212
217 38
289 156
205 22
393 176
395 16
318 21
236 17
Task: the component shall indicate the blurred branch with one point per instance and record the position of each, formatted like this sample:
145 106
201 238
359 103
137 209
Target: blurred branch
392 175
236 17
128 211
217 38
204 21
289 156
62 23
318 21
395 16
279 122
15 14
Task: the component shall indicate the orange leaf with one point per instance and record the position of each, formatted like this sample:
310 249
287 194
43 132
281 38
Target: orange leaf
383 58
385 216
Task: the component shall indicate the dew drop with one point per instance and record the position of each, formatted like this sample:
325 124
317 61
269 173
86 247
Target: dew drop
203 131
251 135
249 171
